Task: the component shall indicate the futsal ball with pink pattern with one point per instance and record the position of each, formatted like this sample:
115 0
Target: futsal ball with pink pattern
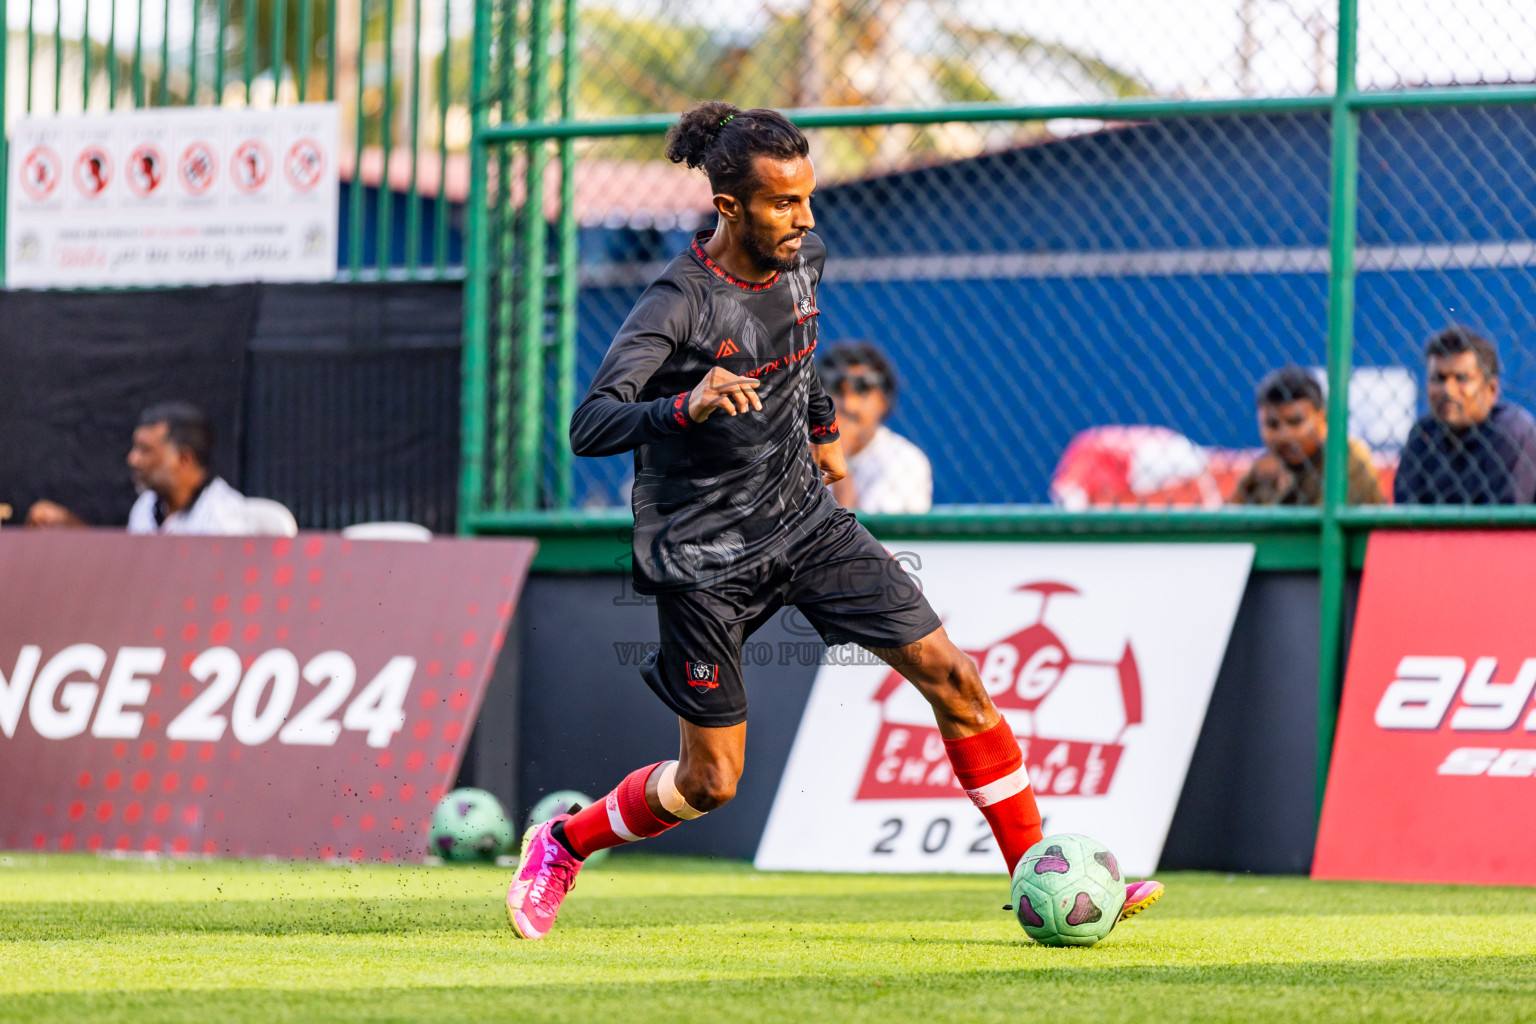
1068 891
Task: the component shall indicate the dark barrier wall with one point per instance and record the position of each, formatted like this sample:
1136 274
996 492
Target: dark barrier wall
353 403
76 369
587 719
340 401
1249 802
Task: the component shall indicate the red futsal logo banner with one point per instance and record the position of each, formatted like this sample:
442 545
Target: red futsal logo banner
1100 657
1022 672
241 696
1436 750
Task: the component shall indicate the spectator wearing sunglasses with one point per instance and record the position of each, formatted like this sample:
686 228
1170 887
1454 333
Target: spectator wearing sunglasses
886 472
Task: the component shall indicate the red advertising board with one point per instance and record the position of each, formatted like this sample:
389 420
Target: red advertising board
1434 767
241 696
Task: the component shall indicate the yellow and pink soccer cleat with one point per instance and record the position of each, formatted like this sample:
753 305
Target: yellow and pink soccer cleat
1139 896
546 872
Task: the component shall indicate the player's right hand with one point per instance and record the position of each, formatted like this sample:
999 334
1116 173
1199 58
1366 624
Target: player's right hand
722 389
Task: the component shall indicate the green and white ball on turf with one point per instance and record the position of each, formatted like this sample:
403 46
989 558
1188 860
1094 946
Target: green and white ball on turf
469 825
1068 891
560 802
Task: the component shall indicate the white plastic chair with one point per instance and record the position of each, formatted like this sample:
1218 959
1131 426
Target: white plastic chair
387 531
270 518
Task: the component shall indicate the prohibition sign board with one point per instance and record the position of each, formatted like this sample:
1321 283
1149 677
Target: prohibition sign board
197 168
251 166
40 173
93 171
304 164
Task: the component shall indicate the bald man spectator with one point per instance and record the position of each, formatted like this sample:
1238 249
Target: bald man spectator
1474 447
171 464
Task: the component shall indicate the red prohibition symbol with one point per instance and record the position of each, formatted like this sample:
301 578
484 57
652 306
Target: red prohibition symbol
198 168
146 170
251 166
304 164
93 171
40 173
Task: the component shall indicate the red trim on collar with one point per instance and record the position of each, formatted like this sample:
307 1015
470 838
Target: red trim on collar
703 257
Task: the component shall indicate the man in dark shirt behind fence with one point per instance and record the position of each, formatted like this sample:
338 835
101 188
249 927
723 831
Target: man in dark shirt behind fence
1474 448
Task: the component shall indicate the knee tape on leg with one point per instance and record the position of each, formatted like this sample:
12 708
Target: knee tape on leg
671 799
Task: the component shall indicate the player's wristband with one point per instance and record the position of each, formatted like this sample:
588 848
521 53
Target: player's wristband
679 412
824 434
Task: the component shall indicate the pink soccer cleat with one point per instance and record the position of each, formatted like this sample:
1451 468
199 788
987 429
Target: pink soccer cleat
546 872
1139 896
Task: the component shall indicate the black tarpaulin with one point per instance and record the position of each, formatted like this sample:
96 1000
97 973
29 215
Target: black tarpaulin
77 368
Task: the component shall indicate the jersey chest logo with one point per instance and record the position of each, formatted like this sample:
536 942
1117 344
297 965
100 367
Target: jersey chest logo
805 309
727 348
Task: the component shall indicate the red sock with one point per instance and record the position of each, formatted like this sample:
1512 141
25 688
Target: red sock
991 770
622 817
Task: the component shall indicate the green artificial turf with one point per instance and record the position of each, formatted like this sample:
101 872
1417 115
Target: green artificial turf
655 939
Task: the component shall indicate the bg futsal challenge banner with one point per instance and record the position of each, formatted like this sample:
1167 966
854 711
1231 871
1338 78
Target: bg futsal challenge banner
1101 657
241 696
1434 768
193 195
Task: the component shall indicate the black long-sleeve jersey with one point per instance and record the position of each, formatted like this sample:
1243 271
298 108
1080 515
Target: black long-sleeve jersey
718 497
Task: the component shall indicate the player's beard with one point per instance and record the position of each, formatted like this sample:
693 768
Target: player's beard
763 252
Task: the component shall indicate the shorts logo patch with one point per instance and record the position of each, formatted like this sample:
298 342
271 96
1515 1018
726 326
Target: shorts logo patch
702 676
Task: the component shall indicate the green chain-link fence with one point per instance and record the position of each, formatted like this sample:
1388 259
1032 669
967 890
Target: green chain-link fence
1083 232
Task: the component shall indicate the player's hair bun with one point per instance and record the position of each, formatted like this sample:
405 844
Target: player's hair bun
689 140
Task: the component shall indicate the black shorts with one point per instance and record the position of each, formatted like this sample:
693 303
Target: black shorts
839 577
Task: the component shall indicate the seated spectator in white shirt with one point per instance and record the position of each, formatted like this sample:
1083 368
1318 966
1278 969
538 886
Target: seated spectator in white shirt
170 460
886 472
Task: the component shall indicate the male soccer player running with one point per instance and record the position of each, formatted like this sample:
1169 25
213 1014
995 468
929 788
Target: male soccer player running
710 383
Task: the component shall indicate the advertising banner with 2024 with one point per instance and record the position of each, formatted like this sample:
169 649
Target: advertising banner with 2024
245 697
1101 657
194 195
1434 769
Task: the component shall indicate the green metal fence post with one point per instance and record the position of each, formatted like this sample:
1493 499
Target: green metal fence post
506 260
413 195
1341 316
304 49
279 46
355 192
31 44
197 38
440 214
473 406
58 54
112 57
165 56
221 26
85 56
249 39
383 248
530 420
330 43
565 333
